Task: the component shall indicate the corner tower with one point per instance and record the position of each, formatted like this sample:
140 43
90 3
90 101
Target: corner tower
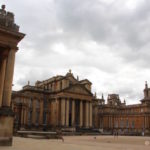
9 39
146 99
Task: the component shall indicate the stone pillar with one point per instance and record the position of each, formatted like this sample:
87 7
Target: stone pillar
6 113
34 111
73 113
81 113
53 112
41 113
67 112
56 111
87 114
22 116
62 111
2 77
91 114
8 78
145 121
25 116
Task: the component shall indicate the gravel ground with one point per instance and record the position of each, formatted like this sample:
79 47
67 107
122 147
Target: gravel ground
82 143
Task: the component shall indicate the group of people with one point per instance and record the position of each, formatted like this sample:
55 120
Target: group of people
115 133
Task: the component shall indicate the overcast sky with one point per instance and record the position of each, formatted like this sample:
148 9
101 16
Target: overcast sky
105 41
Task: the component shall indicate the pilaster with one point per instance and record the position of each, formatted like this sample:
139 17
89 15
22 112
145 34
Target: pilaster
2 77
41 113
34 112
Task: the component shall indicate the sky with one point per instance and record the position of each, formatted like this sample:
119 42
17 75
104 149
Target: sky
105 41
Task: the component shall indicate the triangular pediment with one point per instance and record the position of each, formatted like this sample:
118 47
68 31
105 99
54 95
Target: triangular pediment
78 89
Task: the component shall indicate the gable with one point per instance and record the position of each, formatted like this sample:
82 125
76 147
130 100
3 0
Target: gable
78 89
72 79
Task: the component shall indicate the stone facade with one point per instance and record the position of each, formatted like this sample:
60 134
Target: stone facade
65 102
119 117
9 38
61 101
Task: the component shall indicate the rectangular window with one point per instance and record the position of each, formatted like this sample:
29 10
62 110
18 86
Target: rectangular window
132 124
127 124
121 123
116 124
37 117
29 117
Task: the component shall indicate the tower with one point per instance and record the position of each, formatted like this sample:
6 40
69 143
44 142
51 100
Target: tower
146 99
9 39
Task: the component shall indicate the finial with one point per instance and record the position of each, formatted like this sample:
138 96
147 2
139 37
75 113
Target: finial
28 82
124 101
69 70
95 95
146 85
77 78
102 96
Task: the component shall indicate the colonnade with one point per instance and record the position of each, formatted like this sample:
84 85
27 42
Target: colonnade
59 112
84 117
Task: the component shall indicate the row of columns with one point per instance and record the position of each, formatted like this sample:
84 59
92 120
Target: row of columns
25 110
87 122
6 77
85 116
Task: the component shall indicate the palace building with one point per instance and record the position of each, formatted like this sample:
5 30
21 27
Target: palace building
61 101
67 102
115 116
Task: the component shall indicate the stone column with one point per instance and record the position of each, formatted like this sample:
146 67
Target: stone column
41 113
81 113
62 111
145 120
8 78
56 111
2 77
34 111
73 113
22 116
67 112
53 112
91 114
87 114
25 116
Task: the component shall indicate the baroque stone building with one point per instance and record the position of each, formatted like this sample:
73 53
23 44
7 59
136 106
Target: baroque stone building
9 39
61 101
67 102
115 116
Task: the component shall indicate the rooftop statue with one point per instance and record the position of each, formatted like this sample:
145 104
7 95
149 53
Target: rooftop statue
7 19
3 11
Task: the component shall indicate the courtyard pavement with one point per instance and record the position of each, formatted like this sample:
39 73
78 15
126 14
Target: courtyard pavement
82 143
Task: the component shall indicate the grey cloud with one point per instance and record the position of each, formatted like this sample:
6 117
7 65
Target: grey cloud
75 23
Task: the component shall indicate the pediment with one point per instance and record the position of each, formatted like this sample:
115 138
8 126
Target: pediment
78 89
